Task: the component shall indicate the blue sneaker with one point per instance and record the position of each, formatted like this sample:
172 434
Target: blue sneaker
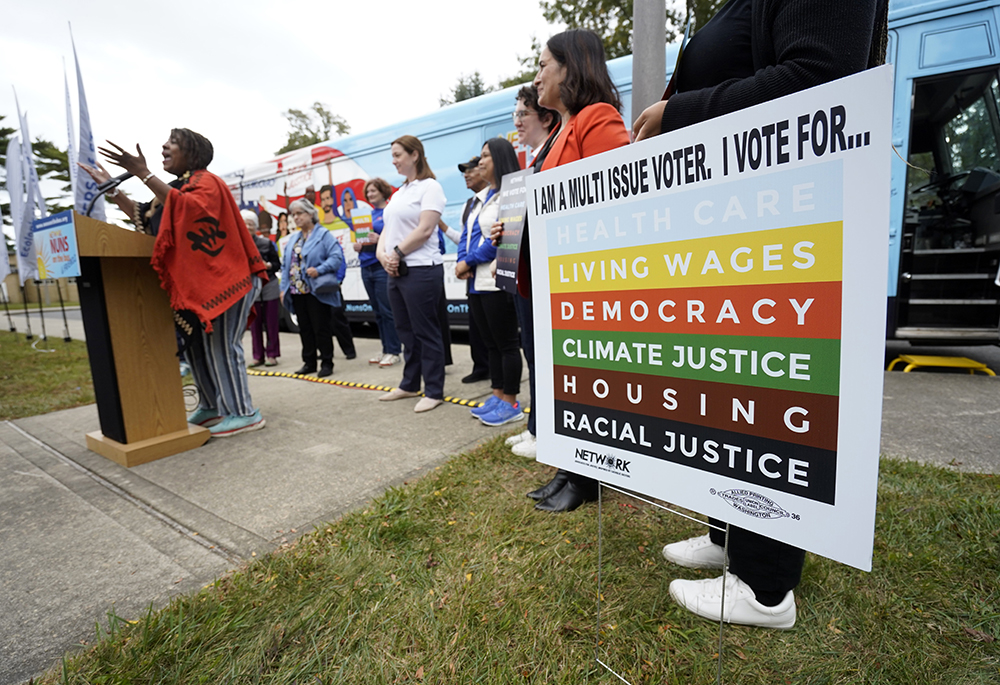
502 413
205 417
488 406
234 425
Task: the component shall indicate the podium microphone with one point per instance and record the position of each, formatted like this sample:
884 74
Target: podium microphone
106 186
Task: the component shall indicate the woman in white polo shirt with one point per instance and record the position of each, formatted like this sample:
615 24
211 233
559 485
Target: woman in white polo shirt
408 249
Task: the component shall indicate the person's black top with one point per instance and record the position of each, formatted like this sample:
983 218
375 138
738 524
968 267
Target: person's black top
719 51
148 214
795 45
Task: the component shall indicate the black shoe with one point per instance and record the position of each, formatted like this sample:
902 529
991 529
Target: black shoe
476 376
325 370
552 487
352 355
306 369
570 497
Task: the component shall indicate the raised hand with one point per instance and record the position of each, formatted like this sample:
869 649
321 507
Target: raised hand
134 164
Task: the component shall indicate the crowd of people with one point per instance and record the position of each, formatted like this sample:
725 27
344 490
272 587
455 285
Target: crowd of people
750 52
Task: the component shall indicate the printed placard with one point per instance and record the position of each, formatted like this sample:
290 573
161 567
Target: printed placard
513 199
710 315
55 246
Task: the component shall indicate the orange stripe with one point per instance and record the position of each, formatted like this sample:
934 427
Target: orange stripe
724 310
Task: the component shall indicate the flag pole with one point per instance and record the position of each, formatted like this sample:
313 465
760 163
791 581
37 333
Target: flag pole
41 315
27 315
6 308
62 306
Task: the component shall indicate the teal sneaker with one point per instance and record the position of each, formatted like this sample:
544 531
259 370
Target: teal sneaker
234 425
205 417
488 406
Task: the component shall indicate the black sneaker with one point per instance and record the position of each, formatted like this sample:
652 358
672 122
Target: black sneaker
476 376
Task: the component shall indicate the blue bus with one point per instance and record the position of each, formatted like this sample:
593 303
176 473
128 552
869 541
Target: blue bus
944 233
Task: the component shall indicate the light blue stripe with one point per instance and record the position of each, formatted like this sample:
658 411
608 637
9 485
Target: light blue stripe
616 226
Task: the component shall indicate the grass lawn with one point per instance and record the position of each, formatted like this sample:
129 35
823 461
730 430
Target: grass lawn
35 382
454 578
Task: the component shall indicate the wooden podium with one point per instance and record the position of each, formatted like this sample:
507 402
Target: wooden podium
132 347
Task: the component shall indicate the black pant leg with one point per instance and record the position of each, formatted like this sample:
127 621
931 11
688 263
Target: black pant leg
342 329
771 568
307 335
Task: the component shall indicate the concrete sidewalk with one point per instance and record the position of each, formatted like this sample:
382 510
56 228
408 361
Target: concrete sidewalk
81 536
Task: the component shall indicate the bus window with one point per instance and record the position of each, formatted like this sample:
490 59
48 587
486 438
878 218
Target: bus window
955 160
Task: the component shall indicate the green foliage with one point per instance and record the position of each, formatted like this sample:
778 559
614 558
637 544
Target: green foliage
468 87
612 19
454 578
528 67
315 125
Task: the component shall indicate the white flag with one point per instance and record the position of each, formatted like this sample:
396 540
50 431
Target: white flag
86 187
4 258
24 241
15 189
15 180
71 147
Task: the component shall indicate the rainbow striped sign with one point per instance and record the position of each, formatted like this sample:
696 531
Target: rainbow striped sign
710 315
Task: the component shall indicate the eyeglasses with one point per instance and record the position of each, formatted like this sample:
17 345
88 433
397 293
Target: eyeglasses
523 114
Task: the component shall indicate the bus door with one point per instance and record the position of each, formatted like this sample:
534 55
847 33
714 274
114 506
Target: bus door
951 229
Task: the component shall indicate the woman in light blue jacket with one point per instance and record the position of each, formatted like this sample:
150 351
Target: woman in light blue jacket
312 252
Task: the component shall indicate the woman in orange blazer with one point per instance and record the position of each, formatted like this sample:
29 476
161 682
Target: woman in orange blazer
573 80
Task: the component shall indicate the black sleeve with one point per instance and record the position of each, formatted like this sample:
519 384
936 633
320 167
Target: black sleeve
802 43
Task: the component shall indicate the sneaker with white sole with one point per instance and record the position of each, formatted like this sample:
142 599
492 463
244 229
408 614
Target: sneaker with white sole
503 412
205 417
704 598
486 407
520 437
526 448
234 425
699 552
389 360
376 360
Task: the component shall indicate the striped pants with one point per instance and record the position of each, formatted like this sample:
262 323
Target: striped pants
217 362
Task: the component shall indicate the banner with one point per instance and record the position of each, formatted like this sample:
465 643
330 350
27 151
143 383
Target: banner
55 245
86 187
710 315
71 144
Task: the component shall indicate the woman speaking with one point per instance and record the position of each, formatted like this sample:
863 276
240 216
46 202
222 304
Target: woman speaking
209 266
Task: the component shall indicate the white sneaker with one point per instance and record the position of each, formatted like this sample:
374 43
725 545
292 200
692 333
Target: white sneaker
376 360
526 448
520 437
704 598
389 360
699 552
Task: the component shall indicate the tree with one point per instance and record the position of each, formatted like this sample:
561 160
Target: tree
529 67
312 126
467 87
612 19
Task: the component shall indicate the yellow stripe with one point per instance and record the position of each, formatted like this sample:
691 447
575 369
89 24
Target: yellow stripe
800 254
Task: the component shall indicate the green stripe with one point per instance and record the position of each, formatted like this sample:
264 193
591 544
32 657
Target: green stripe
822 365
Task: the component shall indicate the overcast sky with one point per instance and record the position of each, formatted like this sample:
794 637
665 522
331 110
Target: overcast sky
228 69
